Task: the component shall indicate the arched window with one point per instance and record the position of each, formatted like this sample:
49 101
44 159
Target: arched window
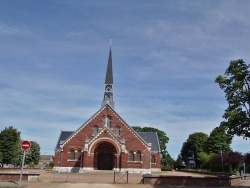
153 159
72 154
138 156
95 130
117 131
106 122
131 156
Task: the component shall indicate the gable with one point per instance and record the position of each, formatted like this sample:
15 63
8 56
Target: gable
148 137
97 119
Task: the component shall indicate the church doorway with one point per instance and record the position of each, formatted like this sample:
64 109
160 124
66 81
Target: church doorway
104 156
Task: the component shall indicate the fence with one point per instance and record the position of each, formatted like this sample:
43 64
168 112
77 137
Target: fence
120 176
60 176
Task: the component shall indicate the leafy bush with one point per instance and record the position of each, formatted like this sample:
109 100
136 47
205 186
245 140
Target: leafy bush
227 162
51 164
31 165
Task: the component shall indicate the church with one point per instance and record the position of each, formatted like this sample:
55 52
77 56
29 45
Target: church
106 142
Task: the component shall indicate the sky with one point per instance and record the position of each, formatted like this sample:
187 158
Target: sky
166 56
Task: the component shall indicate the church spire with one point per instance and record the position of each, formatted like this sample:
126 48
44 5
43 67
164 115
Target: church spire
108 86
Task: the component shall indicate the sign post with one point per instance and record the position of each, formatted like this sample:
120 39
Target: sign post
25 145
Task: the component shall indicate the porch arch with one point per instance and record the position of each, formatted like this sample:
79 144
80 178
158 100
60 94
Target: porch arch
106 154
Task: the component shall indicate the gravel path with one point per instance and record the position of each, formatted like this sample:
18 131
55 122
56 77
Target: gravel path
94 180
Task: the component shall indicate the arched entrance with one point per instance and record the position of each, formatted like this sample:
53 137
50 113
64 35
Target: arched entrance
104 156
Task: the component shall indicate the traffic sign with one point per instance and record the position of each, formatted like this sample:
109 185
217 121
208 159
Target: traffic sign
25 145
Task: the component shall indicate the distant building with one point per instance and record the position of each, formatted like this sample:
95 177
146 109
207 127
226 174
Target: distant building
45 160
106 142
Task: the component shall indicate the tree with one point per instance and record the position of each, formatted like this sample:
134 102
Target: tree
163 140
233 161
226 162
204 158
194 144
1 157
167 162
236 85
216 163
247 161
33 154
217 141
10 145
179 163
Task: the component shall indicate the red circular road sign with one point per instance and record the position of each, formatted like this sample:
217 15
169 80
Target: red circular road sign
25 145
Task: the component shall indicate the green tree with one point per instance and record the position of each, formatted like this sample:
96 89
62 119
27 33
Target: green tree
10 145
50 165
236 85
204 158
179 163
1 157
218 141
167 162
33 154
163 140
194 144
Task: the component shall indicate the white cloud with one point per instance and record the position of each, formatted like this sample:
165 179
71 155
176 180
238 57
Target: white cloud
165 56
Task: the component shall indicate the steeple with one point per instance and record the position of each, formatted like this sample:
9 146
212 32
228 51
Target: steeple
108 86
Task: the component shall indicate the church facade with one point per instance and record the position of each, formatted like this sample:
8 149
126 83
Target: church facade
106 142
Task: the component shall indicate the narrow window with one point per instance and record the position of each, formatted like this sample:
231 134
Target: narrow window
138 156
131 156
153 159
95 130
79 153
106 122
72 154
117 131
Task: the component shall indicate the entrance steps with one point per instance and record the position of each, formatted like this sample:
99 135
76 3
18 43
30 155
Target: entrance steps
96 171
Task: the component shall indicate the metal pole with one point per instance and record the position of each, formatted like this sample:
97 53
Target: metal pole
221 153
244 165
21 174
54 175
127 176
67 176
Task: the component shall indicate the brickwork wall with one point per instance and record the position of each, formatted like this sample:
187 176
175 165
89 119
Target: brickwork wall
6 176
191 181
132 141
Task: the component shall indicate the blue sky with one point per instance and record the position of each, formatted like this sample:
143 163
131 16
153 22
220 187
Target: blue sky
166 56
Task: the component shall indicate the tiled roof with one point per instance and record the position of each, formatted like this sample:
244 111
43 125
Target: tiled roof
45 157
150 137
63 136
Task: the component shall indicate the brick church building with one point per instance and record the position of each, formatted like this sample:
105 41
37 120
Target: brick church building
106 142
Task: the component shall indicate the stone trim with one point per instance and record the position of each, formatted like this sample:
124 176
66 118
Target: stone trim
90 169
